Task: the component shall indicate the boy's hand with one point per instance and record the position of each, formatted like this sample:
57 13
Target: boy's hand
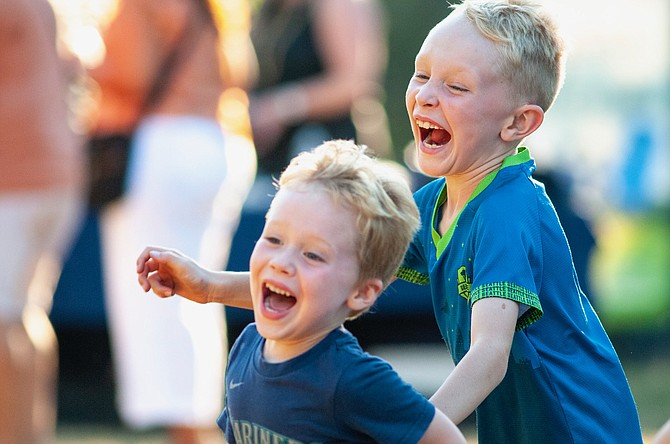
168 272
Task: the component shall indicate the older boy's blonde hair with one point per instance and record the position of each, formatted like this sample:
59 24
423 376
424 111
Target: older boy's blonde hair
531 47
386 216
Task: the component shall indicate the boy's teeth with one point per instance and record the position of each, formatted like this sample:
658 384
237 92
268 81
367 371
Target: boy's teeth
277 290
426 125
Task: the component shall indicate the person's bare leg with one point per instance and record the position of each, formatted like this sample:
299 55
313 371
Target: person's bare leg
16 356
192 435
44 397
28 372
663 435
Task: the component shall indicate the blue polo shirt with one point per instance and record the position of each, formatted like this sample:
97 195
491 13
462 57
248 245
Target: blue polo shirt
564 381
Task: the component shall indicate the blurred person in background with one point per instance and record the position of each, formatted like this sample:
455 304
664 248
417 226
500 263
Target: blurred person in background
189 150
41 182
663 435
321 64
575 223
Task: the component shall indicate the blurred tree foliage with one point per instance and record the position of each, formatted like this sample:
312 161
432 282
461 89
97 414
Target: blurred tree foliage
630 270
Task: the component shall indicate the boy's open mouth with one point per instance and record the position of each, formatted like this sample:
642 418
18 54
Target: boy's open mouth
276 299
432 135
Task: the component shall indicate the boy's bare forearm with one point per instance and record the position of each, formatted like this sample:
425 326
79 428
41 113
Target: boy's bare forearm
484 365
168 272
230 288
473 379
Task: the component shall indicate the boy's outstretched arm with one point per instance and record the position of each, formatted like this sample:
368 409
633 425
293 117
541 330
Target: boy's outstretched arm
168 272
484 365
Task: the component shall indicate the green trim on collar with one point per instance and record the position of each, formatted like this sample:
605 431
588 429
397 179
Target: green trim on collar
441 242
522 156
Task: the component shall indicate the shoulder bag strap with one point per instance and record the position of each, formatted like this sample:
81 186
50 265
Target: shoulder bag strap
186 40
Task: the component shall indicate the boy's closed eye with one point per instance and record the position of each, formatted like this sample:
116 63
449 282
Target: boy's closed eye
272 240
451 86
314 256
421 75
457 88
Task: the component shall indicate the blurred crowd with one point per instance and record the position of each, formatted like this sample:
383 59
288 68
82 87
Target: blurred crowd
208 92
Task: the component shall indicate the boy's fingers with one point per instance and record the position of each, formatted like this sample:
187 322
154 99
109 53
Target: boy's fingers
148 275
144 283
146 256
148 267
158 287
142 259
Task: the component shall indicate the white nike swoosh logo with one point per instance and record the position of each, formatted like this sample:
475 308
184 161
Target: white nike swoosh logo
233 385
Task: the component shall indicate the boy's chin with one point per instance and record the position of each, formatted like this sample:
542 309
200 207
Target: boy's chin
430 166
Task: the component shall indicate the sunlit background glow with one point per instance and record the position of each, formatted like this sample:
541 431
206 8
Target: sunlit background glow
615 95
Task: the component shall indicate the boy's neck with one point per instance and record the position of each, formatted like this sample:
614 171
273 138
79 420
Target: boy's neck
460 188
276 352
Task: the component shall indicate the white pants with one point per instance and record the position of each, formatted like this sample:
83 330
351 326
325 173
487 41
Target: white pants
36 229
186 187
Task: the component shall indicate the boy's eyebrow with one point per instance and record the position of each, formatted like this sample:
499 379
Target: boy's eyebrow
421 62
453 70
314 239
419 57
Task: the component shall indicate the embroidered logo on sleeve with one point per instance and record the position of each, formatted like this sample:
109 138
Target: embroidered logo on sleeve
464 283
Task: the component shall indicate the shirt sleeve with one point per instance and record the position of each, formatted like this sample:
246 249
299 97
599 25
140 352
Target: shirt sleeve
413 268
508 255
372 398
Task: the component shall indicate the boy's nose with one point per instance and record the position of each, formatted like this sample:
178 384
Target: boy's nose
282 263
425 95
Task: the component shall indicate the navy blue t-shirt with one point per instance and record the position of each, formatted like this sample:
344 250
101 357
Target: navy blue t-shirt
333 393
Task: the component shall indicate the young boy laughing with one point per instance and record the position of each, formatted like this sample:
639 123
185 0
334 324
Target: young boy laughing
334 236
532 358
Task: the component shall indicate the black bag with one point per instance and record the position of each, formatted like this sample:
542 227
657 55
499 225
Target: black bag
108 164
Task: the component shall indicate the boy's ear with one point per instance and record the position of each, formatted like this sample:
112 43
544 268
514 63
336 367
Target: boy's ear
366 295
527 119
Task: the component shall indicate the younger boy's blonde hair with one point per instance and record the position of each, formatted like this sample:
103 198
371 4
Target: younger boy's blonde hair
386 216
531 47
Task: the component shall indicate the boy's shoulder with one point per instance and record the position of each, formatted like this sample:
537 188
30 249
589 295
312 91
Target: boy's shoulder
249 337
349 353
512 189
